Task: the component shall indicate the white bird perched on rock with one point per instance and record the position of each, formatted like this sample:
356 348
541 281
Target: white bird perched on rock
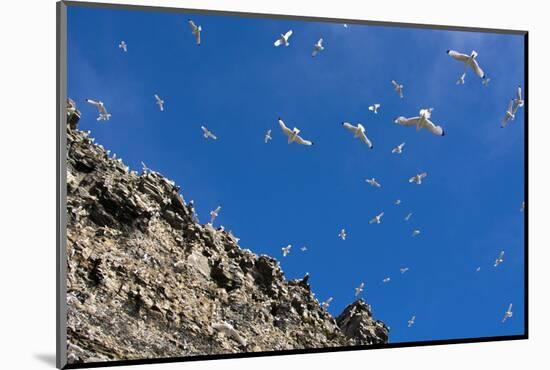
373 182
397 202
342 234
509 115
415 233
103 114
214 214
283 39
123 46
422 121
398 149
486 81
386 280
303 248
195 30
417 179
403 270
359 289
326 303
461 80
508 314
159 102
499 259
398 88
518 101
358 132
228 330
468 60
411 321
207 133
286 250
377 219
267 136
318 47
292 135
407 218
374 108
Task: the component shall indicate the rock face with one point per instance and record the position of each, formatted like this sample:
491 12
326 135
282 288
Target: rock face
145 280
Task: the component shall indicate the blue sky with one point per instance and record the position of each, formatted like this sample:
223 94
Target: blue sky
237 83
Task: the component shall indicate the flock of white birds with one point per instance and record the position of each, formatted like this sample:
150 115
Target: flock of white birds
422 121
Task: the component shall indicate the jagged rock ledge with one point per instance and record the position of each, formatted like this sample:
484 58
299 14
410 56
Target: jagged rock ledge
146 280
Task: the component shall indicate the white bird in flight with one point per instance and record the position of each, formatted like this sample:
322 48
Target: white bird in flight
103 114
522 208
318 47
267 136
518 101
326 303
283 39
207 133
159 102
468 60
485 82
214 214
415 233
461 80
509 115
386 280
499 259
377 219
358 132
123 46
478 269
397 202
398 149
508 314
407 218
374 108
411 321
286 250
303 249
403 270
417 179
342 234
359 289
196 31
398 88
421 121
373 182
345 25
293 134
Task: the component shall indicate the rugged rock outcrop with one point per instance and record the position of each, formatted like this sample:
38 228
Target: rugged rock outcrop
146 280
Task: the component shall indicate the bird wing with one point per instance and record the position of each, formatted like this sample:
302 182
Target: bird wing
193 26
93 102
300 140
350 127
477 69
198 36
288 34
395 84
511 106
217 210
157 98
433 128
510 308
314 52
407 121
519 93
365 139
372 221
278 42
458 56
285 129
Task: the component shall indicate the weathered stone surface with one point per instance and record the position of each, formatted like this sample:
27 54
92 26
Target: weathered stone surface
145 280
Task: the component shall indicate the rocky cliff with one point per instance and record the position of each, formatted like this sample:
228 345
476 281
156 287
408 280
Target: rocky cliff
146 280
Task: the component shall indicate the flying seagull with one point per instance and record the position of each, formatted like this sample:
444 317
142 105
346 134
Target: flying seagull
342 234
421 121
522 208
228 330
408 216
103 114
159 102
326 303
293 134
374 108
499 259
214 214
303 249
398 149
416 232
359 289
403 270
417 179
397 202
398 88
123 46
461 81
345 25
318 47
207 133
411 321
286 250
377 219
508 314
386 280
485 82
468 60
518 101
283 39
267 136
196 31
478 269
509 115
373 182
358 132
